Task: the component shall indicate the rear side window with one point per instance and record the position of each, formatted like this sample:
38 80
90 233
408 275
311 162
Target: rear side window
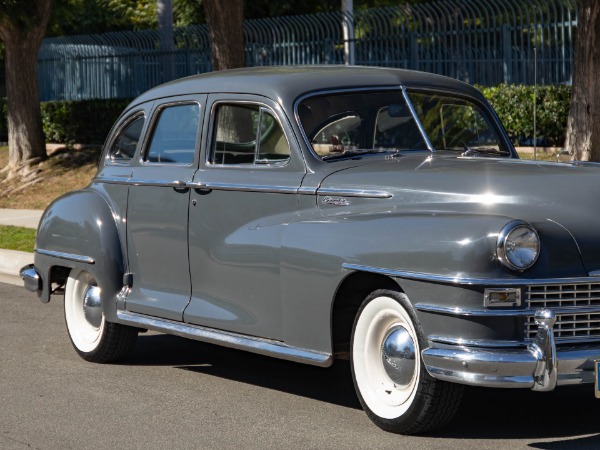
174 136
124 146
248 134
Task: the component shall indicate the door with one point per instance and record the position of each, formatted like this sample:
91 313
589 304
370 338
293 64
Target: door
157 212
245 195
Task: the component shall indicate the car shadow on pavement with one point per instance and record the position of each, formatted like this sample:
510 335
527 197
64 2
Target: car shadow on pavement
570 411
332 385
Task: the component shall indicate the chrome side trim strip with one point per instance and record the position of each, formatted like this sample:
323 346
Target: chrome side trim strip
354 193
111 180
157 183
461 280
261 346
491 312
477 312
67 256
482 343
248 188
244 188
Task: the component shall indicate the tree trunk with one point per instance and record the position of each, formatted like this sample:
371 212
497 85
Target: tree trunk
22 27
164 10
583 125
225 21
25 135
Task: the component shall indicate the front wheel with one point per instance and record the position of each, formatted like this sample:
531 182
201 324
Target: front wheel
95 339
390 379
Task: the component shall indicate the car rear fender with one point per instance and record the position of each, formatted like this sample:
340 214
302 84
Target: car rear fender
79 231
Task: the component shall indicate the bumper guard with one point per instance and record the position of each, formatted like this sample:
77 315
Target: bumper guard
541 366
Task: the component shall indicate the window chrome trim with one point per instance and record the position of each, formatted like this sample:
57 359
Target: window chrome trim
67 256
149 135
462 280
137 114
254 165
254 344
331 91
417 120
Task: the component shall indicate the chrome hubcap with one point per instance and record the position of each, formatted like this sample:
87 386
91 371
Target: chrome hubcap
92 306
398 356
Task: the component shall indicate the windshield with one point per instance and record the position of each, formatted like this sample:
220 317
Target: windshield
357 124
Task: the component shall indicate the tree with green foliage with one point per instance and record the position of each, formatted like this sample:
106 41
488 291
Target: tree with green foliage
583 127
22 27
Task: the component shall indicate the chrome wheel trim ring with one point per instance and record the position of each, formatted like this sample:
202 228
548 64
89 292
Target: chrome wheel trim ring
378 320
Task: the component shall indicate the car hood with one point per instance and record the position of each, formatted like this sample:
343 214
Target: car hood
533 191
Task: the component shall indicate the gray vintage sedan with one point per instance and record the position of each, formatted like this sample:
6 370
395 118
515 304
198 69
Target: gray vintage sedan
315 213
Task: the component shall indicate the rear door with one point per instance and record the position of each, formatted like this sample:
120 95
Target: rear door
157 213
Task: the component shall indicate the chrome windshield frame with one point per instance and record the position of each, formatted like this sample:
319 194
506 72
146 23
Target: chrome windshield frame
416 119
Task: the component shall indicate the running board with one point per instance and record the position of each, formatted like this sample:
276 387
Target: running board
253 344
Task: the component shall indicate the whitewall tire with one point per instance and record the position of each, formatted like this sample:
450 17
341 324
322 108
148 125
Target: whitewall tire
391 381
92 336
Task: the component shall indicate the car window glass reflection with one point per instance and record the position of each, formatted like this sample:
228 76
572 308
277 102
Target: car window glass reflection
175 134
125 145
248 134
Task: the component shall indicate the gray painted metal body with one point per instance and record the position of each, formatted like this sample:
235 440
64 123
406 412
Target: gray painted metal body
478 41
252 257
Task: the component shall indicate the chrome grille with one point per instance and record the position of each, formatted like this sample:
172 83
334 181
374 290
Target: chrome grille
577 308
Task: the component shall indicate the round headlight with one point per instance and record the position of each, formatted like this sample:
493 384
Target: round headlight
518 245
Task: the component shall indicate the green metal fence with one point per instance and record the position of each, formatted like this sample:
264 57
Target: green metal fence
478 41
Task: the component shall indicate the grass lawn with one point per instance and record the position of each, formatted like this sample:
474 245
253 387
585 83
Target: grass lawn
17 238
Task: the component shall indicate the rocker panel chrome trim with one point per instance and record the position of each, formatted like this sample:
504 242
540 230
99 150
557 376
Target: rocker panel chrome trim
67 256
460 280
227 339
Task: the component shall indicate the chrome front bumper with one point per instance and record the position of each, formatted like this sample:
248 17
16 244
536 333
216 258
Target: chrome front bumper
31 279
540 366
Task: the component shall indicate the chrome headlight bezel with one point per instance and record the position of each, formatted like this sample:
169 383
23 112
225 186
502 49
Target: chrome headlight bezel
503 245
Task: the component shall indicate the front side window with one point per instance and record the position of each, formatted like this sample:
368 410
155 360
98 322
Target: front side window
174 136
247 134
124 146
456 124
356 124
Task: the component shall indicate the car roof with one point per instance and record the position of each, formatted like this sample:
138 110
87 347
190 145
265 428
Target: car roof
286 83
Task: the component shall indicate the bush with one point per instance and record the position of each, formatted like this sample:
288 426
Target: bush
70 122
83 122
514 105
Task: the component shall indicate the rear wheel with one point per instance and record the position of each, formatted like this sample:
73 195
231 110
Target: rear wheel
94 338
391 382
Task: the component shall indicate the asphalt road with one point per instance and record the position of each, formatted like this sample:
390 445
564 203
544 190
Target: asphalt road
176 393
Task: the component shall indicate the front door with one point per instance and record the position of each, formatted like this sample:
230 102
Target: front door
157 212
246 196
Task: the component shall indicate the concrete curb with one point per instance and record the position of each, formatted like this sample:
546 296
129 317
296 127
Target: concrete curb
28 218
11 261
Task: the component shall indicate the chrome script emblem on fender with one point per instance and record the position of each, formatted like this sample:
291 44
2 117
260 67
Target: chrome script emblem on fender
336 201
